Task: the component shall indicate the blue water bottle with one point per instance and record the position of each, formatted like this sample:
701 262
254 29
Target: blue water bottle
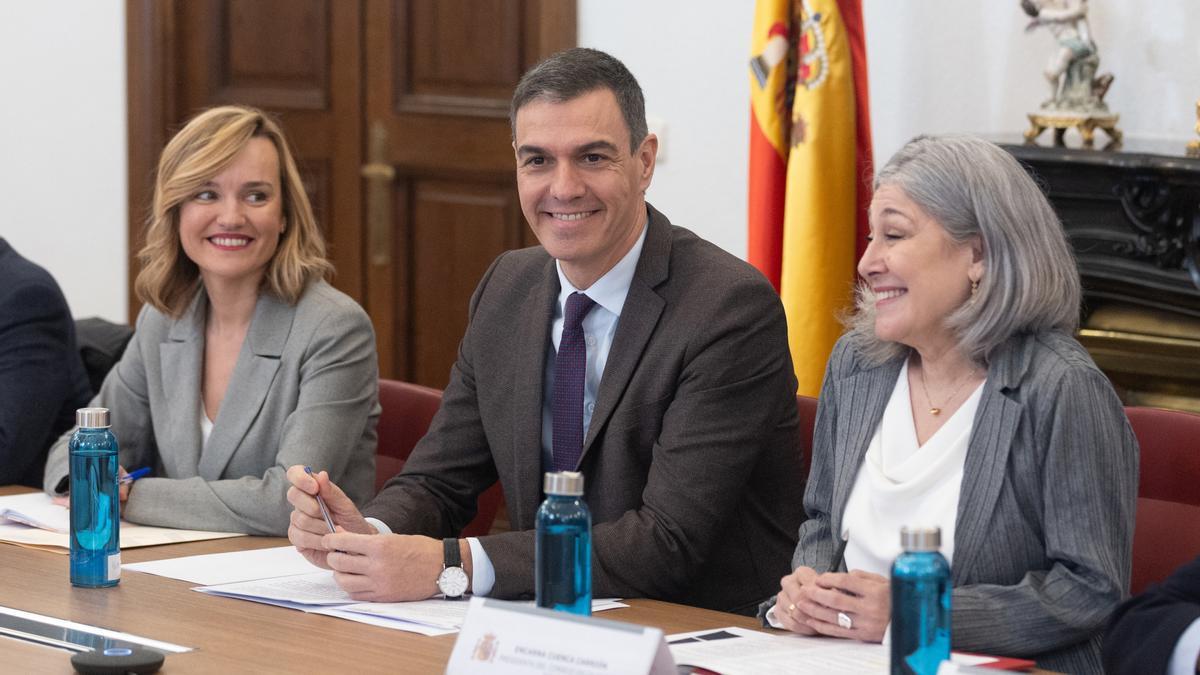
920 603
563 552
95 503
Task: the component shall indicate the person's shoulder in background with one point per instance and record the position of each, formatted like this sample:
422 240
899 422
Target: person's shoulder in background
42 379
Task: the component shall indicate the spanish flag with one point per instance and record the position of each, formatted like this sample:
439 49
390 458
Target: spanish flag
810 158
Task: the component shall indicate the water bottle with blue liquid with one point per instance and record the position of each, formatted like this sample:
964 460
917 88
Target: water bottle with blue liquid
920 603
95 501
563 549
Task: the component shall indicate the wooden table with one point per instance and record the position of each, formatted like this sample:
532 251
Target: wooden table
236 635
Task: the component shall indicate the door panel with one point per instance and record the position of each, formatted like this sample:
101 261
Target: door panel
440 77
398 114
458 229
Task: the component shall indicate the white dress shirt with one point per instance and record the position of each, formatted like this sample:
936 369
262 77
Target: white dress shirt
902 483
1186 654
206 426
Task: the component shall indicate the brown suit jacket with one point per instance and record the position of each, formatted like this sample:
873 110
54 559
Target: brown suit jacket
692 457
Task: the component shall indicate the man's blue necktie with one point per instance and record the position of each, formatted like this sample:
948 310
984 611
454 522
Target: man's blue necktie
570 369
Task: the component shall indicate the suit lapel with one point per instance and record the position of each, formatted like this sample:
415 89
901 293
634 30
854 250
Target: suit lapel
984 472
639 316
256 366
866 394
529 366
181 359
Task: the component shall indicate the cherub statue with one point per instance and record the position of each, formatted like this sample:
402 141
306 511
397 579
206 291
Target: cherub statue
1071 71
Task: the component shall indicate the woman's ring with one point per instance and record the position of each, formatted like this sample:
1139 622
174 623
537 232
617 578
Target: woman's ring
791 608
845 621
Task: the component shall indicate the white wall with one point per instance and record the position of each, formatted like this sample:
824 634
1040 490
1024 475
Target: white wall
948 65
692 67
62 146
935 66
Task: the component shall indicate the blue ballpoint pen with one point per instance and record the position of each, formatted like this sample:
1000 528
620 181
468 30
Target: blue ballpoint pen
134 475
321 502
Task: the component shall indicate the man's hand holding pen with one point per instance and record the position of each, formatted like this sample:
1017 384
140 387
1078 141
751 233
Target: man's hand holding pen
368 565
309 527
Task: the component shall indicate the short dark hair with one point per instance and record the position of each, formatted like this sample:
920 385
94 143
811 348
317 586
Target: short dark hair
577 71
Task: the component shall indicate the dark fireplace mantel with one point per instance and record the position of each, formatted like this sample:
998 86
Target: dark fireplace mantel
1133 218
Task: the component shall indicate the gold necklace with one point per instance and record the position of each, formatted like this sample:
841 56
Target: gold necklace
937 410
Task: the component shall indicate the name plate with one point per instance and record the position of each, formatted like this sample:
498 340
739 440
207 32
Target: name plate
509 637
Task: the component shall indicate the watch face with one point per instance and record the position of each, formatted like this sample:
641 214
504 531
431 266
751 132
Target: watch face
452 582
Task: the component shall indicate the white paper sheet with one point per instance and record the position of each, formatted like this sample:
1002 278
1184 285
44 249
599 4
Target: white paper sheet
733 651
737 651
132 536
227 568
307 589
36 509
318 593
382 622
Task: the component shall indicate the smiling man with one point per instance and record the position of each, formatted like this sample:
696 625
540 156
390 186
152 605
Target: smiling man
623 347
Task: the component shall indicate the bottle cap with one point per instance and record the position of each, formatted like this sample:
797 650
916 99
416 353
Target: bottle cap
921 538
566 483
92 418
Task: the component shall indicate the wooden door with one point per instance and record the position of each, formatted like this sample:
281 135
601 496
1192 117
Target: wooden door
440 75
398 114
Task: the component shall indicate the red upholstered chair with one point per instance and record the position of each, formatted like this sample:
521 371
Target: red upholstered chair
1167 533
407 411
808 420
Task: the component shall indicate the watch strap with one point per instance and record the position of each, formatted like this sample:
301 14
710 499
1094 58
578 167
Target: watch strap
452 557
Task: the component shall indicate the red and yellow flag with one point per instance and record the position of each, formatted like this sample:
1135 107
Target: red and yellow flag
810 156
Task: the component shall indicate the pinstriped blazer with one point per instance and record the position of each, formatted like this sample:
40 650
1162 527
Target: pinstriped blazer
1044 529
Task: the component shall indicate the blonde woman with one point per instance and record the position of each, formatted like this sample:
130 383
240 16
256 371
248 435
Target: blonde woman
244 360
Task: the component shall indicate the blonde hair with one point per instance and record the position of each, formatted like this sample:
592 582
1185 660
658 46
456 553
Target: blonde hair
206 146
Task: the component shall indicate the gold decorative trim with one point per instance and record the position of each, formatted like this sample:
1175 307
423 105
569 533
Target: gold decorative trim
1086 123
1193 148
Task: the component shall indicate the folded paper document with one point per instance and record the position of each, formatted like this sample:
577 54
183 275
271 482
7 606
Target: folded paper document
36 509
317 593
33 519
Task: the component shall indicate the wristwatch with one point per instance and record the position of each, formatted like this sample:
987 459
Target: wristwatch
452 582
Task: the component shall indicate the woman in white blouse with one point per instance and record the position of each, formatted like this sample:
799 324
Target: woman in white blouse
958 398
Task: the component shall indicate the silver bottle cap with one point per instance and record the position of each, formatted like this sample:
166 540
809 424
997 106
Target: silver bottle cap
921 538
565 483
92 418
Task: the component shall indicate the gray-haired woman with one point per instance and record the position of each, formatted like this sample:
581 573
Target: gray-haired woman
958 398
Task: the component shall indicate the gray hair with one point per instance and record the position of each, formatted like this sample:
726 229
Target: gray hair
578 71
973 188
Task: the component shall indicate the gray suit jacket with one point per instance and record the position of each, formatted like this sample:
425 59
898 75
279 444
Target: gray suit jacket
1044 530
305 390
692 455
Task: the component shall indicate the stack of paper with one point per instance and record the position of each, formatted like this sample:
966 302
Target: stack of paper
318 594
36 509
738 651
33 519
282 577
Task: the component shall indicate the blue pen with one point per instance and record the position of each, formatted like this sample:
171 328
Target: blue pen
130 477
321 502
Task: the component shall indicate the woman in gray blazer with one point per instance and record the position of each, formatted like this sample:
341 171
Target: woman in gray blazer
958 398
244 360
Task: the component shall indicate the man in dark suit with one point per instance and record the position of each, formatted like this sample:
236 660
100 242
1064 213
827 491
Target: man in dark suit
688 439
42 381
1159 630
